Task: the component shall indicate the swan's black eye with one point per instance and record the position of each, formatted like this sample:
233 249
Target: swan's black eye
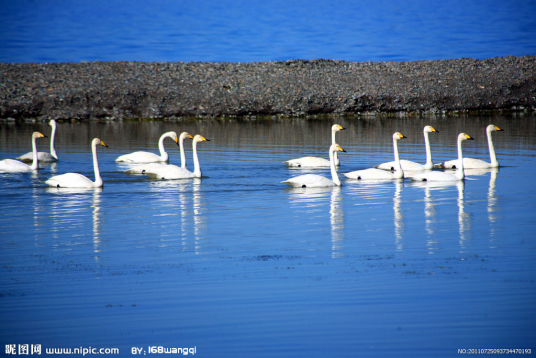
358 178
453 167
425 179
392 168
304 186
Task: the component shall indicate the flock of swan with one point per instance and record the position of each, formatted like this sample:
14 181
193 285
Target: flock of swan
156 166
399 169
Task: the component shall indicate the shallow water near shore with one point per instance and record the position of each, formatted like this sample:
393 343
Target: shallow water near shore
237 264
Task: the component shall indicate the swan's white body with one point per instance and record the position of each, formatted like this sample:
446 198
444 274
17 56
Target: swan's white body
315 162
44 157
317 181
379 174
174 172
148 157
142 168
413 166
14 166
472 163
75 180
442 176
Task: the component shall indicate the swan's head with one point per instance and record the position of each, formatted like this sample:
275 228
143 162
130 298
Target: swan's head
493 128
38 135
430 129
200 138
398 136
336 148
185 135
97 141
463 136
52 123
172 135
336 128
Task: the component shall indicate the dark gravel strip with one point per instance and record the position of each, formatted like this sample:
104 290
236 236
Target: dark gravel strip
122 90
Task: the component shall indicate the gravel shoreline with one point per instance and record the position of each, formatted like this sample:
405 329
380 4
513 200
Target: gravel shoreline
124 90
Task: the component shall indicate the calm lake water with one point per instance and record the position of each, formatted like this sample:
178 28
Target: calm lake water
237 264
247 31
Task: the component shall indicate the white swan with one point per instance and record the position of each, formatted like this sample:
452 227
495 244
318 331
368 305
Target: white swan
317 181
12 165
379 174
442 176
75 180
174 172
142 168
413 166
315 161
44 157
471 163
148 157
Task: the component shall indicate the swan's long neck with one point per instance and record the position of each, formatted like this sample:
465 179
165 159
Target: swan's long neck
183 156
333 141
429 164
197 168
163 154
52 149
460 172
399 173
334 175
98 180
35 163
492 155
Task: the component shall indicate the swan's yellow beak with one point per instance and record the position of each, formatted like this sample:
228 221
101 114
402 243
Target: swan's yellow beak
401 135
498 129
433 130
41 135
103 144
340 127
176 140
204 139
190 136
340 149
467 136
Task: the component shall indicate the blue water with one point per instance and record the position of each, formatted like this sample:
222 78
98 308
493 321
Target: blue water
238 265
246 31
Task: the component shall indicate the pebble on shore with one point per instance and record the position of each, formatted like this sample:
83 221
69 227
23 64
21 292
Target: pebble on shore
123 90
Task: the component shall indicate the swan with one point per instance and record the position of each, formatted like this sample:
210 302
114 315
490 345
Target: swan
147 157
317 181
471 163
44 157
442 176
413 166
315 161
174 172
12 165
142 168
75 180
379 174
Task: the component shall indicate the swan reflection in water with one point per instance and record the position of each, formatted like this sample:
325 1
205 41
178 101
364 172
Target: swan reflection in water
378 191
336 215
69 203
312 200
430 203
190 208
398 216
492 197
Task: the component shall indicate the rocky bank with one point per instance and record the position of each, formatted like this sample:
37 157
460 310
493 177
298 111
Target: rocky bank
123 90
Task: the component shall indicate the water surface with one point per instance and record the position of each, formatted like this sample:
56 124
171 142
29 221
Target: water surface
248 31
237 264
